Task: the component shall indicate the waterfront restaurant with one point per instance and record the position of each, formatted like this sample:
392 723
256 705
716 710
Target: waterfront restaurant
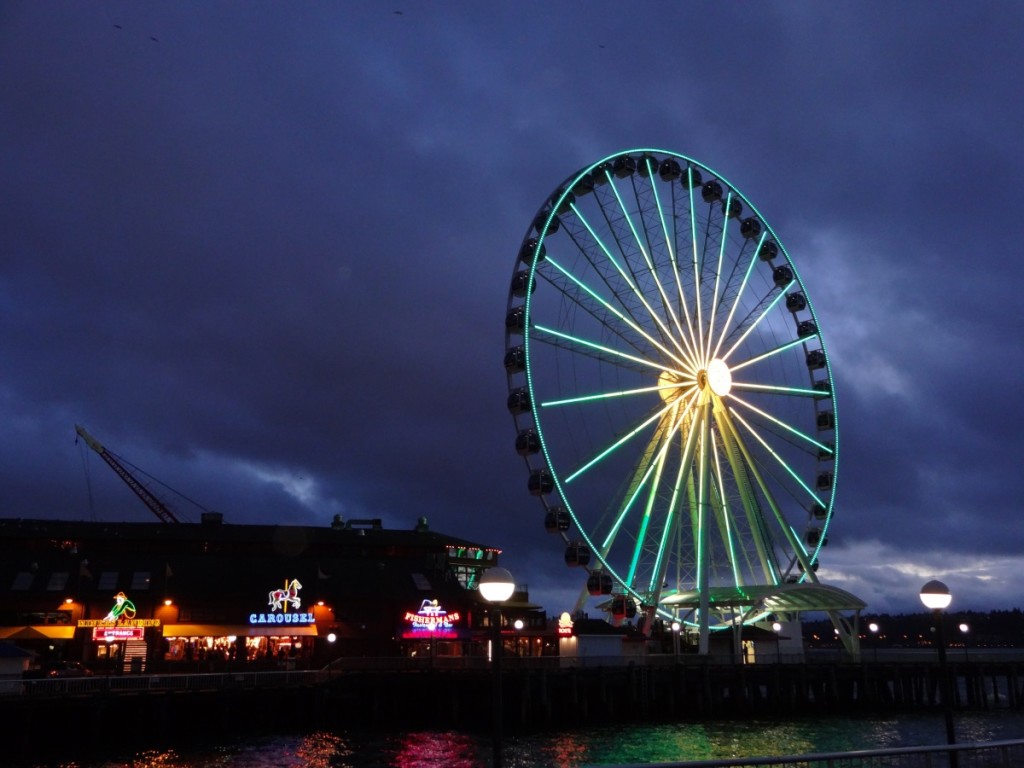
161 597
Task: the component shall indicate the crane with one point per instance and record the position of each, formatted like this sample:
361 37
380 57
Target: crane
156 506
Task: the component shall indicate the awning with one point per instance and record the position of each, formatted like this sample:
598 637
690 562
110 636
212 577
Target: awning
238 630
37 632
780 598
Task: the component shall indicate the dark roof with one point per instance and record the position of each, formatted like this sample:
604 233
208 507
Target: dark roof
281 536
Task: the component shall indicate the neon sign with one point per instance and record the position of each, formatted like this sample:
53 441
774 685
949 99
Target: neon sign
431 619
104 634
281 600
564 625
123 608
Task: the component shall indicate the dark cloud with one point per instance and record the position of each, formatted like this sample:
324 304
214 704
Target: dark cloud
267 258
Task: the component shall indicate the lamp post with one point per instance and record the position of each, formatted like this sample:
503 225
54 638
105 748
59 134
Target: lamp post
936 597
964 629
496 586
676 626
873 629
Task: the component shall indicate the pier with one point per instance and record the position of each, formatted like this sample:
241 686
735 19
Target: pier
453 693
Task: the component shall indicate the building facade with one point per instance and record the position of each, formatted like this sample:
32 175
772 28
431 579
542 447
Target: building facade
163 597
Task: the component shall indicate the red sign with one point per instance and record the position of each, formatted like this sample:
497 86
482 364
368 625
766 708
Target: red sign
103 634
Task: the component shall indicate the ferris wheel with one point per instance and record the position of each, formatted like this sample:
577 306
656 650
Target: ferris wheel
671 392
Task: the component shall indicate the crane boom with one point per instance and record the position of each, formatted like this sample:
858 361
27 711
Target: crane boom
156 506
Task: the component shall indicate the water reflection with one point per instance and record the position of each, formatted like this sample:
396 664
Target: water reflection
572 748
436 750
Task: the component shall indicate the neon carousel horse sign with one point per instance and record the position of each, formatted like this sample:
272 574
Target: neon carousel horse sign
280 601
432 620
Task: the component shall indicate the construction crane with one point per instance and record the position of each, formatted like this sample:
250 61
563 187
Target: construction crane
156 506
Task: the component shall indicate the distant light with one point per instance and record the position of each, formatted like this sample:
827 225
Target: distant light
935 595
331 637
873 627
676 626
232 638
320 603
518 624
965 628
776 626
168 602
68 601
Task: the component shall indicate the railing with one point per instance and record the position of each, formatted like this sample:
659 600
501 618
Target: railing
995 754
101 684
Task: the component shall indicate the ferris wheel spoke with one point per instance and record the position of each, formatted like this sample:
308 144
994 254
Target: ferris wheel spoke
765 355
641 477
735 303
631 282
757 321
811 495
817 394
737 458
788 427
622 317
595 262
605 453
645 518
667 302
612 354
726 524
671 517
714 292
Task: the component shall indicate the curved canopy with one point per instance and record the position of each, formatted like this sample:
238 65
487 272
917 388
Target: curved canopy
780 598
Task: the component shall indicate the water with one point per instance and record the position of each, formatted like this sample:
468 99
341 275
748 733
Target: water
567 749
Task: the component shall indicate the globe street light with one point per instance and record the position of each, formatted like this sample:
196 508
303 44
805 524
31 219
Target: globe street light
936 597
496 585
873 629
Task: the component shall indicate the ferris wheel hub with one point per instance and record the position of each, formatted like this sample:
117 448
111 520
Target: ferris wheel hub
718 377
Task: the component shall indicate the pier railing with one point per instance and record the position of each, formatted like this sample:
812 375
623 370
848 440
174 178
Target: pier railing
995 754
101 684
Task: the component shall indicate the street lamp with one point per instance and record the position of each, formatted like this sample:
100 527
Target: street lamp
964 629
496 586
873 629
936 597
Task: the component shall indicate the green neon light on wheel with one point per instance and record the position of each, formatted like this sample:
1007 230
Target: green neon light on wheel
671 392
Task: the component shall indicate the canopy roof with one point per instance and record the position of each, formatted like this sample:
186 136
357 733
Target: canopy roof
779 598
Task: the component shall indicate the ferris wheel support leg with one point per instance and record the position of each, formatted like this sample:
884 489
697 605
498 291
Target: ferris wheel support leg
850 636
705 565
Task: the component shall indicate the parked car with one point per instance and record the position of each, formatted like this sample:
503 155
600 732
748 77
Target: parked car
67 669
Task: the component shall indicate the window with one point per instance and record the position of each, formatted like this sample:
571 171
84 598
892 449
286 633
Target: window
421 581
58 580
22 580
108 580
140 580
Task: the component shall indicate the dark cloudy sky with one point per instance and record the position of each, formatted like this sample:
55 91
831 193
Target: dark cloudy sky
265 256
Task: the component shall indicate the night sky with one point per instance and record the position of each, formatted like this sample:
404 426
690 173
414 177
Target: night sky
262 251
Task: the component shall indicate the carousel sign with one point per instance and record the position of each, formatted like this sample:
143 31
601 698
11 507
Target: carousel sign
282 600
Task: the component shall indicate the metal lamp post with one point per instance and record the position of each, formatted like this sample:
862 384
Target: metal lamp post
936 597
496 586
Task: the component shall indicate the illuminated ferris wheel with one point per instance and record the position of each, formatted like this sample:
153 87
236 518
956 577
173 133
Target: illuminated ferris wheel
671 392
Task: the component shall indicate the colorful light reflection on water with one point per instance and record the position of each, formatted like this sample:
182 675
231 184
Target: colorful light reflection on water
570 749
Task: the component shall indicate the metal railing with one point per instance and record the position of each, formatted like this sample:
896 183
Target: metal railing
102 684
995 754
